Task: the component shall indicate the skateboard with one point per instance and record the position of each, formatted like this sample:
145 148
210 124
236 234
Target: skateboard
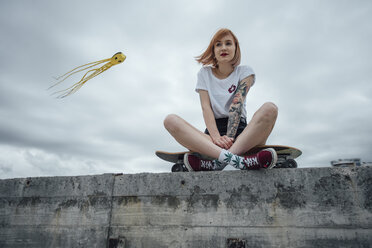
286 156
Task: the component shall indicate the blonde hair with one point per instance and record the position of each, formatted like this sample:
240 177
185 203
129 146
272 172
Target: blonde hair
208 57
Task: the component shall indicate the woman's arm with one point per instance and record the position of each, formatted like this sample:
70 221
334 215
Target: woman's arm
208 115
210 122
237 104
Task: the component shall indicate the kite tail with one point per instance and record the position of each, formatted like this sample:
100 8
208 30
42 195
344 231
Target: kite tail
73 71
78 85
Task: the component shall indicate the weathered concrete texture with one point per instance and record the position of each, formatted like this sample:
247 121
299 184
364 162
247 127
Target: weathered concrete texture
310 207
55 212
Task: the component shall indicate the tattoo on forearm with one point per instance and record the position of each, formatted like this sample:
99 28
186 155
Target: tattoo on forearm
234 119
236 109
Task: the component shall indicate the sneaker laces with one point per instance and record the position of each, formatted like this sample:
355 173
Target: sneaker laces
207 164
249 162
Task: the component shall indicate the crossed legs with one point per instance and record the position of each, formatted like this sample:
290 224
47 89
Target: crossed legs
256 133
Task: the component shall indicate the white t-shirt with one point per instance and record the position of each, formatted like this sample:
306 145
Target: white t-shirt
221 91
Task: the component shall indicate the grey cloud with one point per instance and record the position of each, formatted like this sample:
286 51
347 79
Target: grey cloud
312 58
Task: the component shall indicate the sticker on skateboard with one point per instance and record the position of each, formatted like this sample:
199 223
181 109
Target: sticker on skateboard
286 156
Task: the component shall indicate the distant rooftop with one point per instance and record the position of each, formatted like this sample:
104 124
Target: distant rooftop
350 162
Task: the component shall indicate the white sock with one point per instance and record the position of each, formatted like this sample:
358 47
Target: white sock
231 159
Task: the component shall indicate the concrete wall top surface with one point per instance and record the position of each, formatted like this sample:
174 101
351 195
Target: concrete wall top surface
305 207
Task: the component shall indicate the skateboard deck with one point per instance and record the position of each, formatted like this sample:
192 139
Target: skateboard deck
286 156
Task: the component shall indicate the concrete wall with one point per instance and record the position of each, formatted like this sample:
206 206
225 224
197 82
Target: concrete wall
310 207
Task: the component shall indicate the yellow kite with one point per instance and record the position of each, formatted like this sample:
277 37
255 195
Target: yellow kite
118 58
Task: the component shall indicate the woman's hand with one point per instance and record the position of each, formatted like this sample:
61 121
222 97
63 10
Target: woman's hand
223 142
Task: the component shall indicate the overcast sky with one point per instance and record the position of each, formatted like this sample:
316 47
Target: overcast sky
312 58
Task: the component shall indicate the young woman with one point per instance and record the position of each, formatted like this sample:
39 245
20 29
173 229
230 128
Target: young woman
223 85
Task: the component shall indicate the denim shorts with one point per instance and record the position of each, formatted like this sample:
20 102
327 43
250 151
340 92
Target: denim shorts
222 126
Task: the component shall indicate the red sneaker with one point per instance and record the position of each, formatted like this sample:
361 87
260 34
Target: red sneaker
264 159
193 162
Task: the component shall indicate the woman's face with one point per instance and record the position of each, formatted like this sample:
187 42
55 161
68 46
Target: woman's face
224 49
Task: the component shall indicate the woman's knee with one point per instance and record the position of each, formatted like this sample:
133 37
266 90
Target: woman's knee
268 112
270 109
171 122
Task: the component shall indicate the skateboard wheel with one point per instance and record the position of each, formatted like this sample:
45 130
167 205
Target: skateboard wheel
178 168
290 163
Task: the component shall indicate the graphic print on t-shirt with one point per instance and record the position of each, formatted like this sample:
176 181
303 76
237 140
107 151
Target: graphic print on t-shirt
232 89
